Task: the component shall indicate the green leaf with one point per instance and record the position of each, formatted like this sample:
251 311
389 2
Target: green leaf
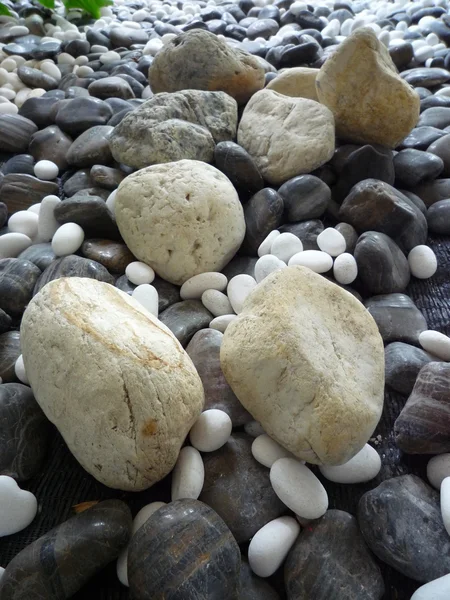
4 10
90 6
48 3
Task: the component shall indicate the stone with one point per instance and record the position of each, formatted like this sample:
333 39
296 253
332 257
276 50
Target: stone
425 77
438 469
438 217
415 166
363 467
438 589
240 265
206 219
20 191
433 191
91 147
254 587
78 549
17 280
271 544
333 543
80 181
19 163
298 135
3 214
200 60
350 235
80 114
299 82
51 144
25 433
15 132
90 213
35 78
423 424
437 343
114 256
440 148
126 37
211 556
41 255
5 321
239 167
422 262
402 365
211 430
263 213
400 518
305 197
298 300
19 507
185 318
204 351
306 231
401 54
437 116
195 119
421 137
9 353
361 74
188 474
107 177
397 317
111 87
237 487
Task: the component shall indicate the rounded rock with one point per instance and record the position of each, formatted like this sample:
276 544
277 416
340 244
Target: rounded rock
67 239
331 241
211 430
188 475
267 451
422 262
194 287
271 544
437 343
438 468
46 169
316 260
364 466
345 269
139 273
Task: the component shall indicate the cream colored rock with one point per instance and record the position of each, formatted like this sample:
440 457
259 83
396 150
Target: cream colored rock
371 103
297 136
113 379
299 82
181 218
305 358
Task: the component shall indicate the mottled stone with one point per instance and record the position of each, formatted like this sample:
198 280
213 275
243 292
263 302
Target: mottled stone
397 317
238 488
185 318
81 114
90 213
438 217
19 191
423 426
304 197
402 524
415 166
306 231
41 255
112 255
91 147
254 587
107 177
51 144
402 365
15 133
238 166
262 213
9 353
60 562
20 163
331 560
190 530
17 280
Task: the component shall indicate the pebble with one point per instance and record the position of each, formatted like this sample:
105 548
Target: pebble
437 343
402 365
438 468
216 302
239 287
67 239
316 260
285 245
331 241
19 507
19 369
271 544
24 221
73 266
188 475
147 296
221 323
266 244
139 273
185 318
266 450
263 213
195 286
345 269
46 169
211 430
364 466
253 587
422 262
9 353
438 589
445 503
267 264
12 244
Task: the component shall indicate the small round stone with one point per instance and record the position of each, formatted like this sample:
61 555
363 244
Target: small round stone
317 261
422 262
364 466
195 286
266 245
436 343
211 430
285 245
188 475
217 303
345 268
222 322
438 468
24 221
271 544
331 241
19 369
238 289
12 244
67 239
147 295
266 265
139 273
267 451
46 169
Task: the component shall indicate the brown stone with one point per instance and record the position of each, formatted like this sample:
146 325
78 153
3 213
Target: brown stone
112 255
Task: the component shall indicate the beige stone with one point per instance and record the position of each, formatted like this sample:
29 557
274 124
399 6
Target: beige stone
286 136
199 60
371 103
299 82
181 218
112 378
305 358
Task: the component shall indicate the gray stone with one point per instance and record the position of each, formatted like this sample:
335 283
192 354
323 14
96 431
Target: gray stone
90 213
51 144
91 147
77 115
41 255
15 133
306 231
111 87
17 280
415 166
35 78
441 148
437 116
9 353
402 365
305 197
185 318
262 213
438 217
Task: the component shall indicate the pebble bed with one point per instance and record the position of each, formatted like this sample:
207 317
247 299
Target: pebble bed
223 242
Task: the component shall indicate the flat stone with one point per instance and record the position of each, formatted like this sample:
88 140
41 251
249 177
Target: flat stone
91 147
46 50
114 256
111 87
15 133
20 191
90 213
438 217
330 554
20 163
425 77
402 365
262 213
415 166
211 557
306 231
438 116
81 114
51 144
421 137
237 164
9 353
41 255
434 101
305 197
238 488
254 587
399 519
441 148
17 280
77 549
35 78
185 318
106 177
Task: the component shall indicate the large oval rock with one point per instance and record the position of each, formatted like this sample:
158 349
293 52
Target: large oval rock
180 218
371 103
112 378
306 360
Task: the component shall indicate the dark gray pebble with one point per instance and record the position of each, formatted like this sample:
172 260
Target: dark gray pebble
415 166
90 213
402 365
41 255
263 213
9 353
51 144
17 280
185 318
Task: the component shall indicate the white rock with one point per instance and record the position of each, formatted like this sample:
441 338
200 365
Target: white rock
9 64
422 262
271 544
211 430
19 507
331 241
266 245
434 342
188 475
18 30
35 208
438 589
432 39
12 244
195 286
298 488
152 47
147 296
267 451
285 246
111 201
19 369
421 54
46 169
222 322
49 68
445 503
25 222
332 29
217 303
139 273
67 239
8 108
239 287
47 224
66 59
266 265
11 94
109 57
438 468
317 261
364 466
345 268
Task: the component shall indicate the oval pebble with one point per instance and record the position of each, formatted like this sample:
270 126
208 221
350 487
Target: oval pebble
19 507
12 244
317 261
438 589
345 268
238 289
19 369
111 201
139 273
254 429
271 544
47 224
267 451
147 296
434 342
217 303
8 108
194 287
445 503
46 170
330 240
67 239
266 265
25 222
266 245
422 262
364 466
285 245
298 488
211 430
36 208
188 475
438 468
222 322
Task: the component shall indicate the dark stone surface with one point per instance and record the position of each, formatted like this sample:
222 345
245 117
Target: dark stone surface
184 550
80 180
397 317
433 191
238 265
299 54
434 101
204 350
41 255
423 426
306 231
185 318
17 280
305 197
441 148
239 167
19 191
24 432
91 148
51 144
238 488
415 166
90 213
421 137
168 293
254 587
350 234
35 78
263 213
15 133
9 353
112 255
5 321
111 87
402 524
331 560
425 77
81 114
20 163
3 213
60 562
438 217
107 177
438 116
401 54
402 365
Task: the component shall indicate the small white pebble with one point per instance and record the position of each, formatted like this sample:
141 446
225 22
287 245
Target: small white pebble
67 239
7 93
19 369
222 322
49 68
195 286
266 265
46 170
12 244
36 208
239 287
445 503
211 430
147 295
98 48
271 544
254 429
109 57
438 468
438 589
9 64
19 507
422 262
266 245
25 222
331 241
188 475
285 245
18 30
111 201
84 71
65 59
345 268
436 343
8 108
364 466
266 450
152 47
217 303
47 224
139 273
317 261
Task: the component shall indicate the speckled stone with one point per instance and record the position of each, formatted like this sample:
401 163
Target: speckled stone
238 488
19 191
402 365
239 167
15 133
331 560
60 562
402 524
397 317
51 144
262 213
9 353
184 550
41 255
90 213
112 255
24 434
17 280
254 587
185 318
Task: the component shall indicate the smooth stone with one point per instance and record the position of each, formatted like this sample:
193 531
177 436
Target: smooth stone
3 214
90 213
78 182
438 217
147 296
80 114
91 147
25 433
19 507
434 101
238 289
211 430
185 318
107 177
188 475
15 133
316 260
427 78
433 191
237 164
20 163
438 468
364 466
111 87
330 556
402 365
305 197
78 548
5 321
114 256
194 287
263 213
331 241
437 343
415 166
267 451
17 280
401 54
306 231
438 589
296 81
12 244
67 239
422 262
9 353
168 293
126 37
254 587
51 144
441 148
240 265
271 544
202 533
350 235
35 78
299 54
237 487
438 116
41 255
397 317
20 191
400 518
421 137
